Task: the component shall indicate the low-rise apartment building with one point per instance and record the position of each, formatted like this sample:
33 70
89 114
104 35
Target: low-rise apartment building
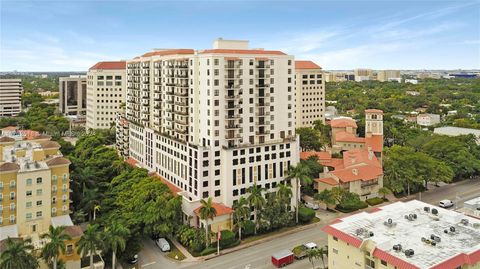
106 90
411 235
309 93
10 97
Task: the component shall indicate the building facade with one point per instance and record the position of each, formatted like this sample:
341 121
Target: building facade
73 95
309 93
213 122
428 119
413 235
389 75
106 84
10 97
362 74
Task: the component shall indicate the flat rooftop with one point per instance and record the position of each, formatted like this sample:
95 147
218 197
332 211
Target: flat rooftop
462 237
26 162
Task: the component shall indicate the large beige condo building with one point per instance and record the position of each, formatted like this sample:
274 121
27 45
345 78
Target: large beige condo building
362 74
105 93
413 235
309 93
10 97
389 75
213 122
73 95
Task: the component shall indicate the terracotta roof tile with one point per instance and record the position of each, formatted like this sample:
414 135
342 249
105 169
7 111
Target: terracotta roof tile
50 145
6 139
174 189
220 208
168 52
327 180
390 259
132 162
109 65
336 163
375 142
348 137
322 155
58 161
238 51
373 111
9 128
36 135
342 236
9 167
342 123
74 231
306 65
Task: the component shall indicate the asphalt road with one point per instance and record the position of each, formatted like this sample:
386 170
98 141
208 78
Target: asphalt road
258 257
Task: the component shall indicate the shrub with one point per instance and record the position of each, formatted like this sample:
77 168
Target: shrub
208 251
351 207
305 214
228 237
374 201
249 228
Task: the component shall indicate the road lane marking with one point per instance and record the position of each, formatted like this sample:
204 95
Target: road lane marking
148 264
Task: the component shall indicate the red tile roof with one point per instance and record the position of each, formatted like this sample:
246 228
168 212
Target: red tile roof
336 163
9 128
342 236
459 260
109 65
58 161
6 139
220 208
342 123
169 52
131 161
306 65
9 167
322 155
364 173
373 111
375 142
327 180
74 231
238 51
174 189
399 263
348 137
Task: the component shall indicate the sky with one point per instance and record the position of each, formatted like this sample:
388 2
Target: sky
74 35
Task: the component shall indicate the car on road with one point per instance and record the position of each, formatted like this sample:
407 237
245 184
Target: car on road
312 205
445 203
163 244
133 259
300 252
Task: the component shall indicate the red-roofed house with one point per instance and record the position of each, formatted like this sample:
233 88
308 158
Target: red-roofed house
222 221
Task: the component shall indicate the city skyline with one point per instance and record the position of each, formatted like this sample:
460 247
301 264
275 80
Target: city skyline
73 36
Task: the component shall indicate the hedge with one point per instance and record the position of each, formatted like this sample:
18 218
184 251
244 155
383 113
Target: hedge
374 201
305 214
213 247
351 208
228 237
249 228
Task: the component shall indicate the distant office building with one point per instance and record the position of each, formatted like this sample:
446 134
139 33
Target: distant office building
428 119
10 97
73 95
338 76
310 93
389 75
106 86
362 74
423 75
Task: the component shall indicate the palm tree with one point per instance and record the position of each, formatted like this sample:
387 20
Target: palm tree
323 252
114 238
56 242
89 242
284 194
312 255
241 213
384 191
18 255
91 198
207 211
301 173
256 200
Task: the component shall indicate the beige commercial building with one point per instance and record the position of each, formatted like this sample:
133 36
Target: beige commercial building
10 97
411 235
362 74
106 83
309 93
389 75
213 122
73 95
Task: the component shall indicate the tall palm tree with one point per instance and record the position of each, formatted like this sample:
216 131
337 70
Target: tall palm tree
241 213
56 243
323 252
301 173
256 200
18 255
312 255
207 211
89 242
284 194
91 198
114 238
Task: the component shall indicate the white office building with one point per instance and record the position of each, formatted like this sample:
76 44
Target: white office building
310 93
10 97
213 122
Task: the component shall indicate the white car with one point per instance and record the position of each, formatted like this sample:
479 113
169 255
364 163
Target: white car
445 203
163 244
311 205
310 245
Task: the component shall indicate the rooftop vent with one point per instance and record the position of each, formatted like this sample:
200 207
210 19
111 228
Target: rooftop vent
411 217
37 165
435 238
355 171
426 209
464 222
389 223
397 247
409 252
434 211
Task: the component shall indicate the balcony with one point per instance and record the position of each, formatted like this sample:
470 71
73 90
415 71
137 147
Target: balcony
230 107
232 97
236 116
265 132
181 131
262 123
181 122
182 104
230 137
232 126
180 112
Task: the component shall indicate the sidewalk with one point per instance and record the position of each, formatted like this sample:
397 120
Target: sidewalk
188 256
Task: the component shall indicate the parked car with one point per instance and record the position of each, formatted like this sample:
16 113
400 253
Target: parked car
301 251
163 244
134 259
282 258
446 203
312 205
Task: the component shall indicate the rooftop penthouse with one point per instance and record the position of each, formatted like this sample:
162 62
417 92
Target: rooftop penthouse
409 235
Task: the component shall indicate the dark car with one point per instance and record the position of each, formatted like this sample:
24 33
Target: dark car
133 260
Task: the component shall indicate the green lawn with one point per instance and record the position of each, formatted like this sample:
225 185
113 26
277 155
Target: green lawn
175 253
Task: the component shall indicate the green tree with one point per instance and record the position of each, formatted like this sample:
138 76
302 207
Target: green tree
55 238
18 255
323 253
241 214
310 139
114 238
301 174
256 200
284 195
384 191
89 243
327 197
313 254
207 211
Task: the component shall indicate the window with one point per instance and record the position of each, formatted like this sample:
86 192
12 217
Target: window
39 192
384 263
335 251
29 181
39 214
39 180
12 195
29 204
335 238
54 179
12 207
39 203
29 216
217 193
69 250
